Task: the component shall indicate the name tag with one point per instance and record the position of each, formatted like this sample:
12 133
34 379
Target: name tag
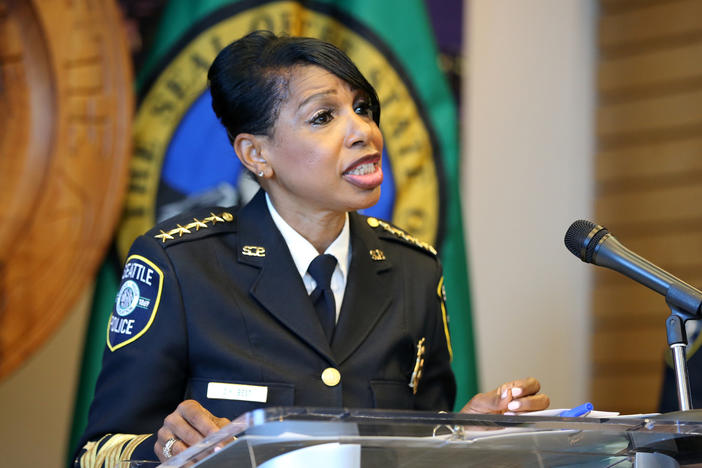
227 391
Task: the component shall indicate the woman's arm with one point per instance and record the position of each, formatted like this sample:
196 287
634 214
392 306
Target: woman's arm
144 370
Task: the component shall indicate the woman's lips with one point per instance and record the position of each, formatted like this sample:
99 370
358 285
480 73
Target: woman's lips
365 173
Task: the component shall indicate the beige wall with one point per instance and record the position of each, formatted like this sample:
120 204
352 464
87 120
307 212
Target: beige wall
528 147
37 399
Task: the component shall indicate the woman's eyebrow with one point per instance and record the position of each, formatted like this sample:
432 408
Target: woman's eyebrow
315 96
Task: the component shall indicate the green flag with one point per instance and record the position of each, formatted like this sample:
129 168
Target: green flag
392 43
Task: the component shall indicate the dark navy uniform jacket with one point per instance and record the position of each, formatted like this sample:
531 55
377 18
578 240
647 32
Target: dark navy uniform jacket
214 297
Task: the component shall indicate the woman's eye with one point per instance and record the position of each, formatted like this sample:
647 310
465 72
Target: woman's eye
321 118
365 109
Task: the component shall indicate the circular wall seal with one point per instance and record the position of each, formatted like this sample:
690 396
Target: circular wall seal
66 99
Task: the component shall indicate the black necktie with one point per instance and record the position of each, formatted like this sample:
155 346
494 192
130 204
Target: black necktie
322 297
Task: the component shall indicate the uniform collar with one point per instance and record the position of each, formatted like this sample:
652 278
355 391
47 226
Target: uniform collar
303 252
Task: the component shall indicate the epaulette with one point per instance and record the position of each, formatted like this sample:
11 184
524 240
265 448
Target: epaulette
191 229
399 233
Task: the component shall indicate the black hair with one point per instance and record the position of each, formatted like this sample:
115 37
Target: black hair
248 78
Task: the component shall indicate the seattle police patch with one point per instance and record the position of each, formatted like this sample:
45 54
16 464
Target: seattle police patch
136 302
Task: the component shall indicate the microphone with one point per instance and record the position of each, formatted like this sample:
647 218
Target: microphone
592 243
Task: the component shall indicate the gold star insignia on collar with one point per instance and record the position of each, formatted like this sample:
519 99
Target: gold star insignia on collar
197 224
180 230
214 219
164 236
224 217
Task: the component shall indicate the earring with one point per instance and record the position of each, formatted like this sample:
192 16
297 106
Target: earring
260 173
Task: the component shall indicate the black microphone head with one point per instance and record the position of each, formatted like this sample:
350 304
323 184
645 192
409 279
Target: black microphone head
582 237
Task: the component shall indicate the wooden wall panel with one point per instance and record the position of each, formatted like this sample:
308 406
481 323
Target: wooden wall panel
642 115
628 344
648 179
647 163
625 391
647 23
650 205
649 69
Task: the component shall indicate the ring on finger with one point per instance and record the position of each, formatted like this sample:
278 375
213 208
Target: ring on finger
168 446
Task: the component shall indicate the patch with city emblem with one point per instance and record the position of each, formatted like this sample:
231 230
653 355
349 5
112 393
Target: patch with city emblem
136 302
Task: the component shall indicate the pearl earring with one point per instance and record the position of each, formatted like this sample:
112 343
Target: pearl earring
260 173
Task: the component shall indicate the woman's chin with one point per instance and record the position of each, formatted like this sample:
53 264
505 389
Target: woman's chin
369 199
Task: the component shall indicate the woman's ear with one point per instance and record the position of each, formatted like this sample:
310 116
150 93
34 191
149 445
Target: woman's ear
248 149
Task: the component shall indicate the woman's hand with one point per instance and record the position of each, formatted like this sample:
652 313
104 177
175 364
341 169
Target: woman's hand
188 424
518 396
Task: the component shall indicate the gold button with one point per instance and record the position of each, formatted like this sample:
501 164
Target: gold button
331 377
372 222
227 216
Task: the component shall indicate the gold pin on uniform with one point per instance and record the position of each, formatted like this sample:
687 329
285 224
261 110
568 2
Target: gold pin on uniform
377 255
418 366
253 251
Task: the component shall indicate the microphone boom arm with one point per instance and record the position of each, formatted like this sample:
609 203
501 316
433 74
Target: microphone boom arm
594 244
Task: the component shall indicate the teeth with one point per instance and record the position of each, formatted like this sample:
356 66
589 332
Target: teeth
363 169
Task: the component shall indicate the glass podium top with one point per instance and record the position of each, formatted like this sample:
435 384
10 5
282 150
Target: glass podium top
341 438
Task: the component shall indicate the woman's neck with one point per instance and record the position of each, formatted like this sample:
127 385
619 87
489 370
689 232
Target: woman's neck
320 228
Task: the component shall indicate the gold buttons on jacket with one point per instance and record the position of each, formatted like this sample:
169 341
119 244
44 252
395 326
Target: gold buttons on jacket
331 377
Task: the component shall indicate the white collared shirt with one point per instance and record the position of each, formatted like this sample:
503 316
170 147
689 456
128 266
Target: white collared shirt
303 252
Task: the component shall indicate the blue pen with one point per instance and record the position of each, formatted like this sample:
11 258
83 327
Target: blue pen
581 410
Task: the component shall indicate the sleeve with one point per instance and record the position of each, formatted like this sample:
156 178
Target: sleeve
144 366
436 385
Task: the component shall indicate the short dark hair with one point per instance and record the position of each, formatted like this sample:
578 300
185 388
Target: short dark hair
248 78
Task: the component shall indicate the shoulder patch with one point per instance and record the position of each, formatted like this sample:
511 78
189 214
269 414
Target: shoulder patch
136 303
188 229
375 223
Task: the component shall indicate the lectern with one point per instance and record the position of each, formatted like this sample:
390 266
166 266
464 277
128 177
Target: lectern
336 438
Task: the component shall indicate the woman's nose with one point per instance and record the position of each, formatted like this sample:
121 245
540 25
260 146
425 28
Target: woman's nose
359 129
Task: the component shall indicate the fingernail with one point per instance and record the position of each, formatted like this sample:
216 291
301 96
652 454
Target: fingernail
513 405
516 391
504 393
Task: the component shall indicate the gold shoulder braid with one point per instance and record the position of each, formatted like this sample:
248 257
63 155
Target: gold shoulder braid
374 223
196 224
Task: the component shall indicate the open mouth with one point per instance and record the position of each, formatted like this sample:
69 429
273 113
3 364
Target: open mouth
365 173
364 169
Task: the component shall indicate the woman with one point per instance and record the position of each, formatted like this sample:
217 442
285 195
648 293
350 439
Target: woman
224 311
